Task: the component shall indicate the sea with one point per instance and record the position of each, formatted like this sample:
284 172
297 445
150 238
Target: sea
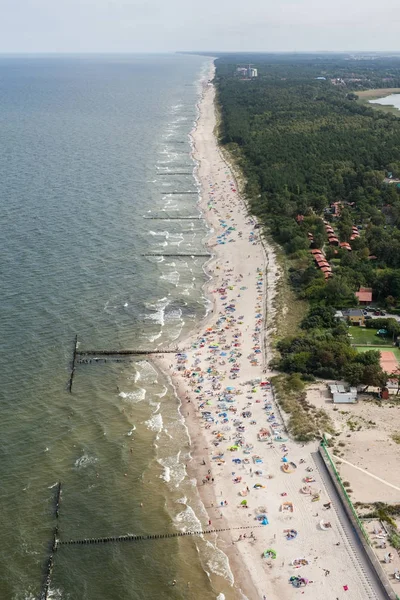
95 155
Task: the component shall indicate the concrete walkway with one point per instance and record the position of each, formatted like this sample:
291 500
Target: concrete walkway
355 552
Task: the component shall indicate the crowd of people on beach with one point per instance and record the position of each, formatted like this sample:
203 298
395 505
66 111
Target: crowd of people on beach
238 413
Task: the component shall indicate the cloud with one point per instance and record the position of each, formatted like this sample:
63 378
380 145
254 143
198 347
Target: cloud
167 25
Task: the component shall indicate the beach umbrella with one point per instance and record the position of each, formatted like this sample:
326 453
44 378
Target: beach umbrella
244 503
265 521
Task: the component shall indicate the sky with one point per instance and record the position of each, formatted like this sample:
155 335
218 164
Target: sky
35 26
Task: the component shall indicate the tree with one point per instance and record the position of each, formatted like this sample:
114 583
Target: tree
390 301
371 357
319 316
338 293
395 376
353 373
373 375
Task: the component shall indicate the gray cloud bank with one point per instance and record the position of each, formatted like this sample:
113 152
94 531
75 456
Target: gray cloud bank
170 25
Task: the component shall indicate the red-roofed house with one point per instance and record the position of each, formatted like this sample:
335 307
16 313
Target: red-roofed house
364 295
345 245
332 239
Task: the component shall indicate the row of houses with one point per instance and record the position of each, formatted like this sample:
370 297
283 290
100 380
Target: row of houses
334 240
322 263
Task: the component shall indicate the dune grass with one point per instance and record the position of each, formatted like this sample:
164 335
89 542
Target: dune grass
306 422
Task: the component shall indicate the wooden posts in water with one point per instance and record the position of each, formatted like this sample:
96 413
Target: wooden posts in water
190 255
52 546
142 538
49 567
58 500
124 352
71 377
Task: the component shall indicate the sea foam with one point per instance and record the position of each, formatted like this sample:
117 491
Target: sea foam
134 397
155 423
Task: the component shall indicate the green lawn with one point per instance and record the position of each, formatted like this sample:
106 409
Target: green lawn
365 337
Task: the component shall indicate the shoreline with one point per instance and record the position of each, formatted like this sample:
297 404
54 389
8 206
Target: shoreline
239 274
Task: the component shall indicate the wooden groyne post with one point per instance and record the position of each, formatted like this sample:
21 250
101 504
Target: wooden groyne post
71 377
49 567
187 255
177 173
143 538
58 500
124 352
168 218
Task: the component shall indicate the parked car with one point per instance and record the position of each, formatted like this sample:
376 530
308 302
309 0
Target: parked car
368 317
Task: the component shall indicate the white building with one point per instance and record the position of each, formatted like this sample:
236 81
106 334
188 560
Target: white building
340 396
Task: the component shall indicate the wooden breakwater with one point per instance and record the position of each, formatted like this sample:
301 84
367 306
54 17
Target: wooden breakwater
49 567
191 255
52 547
143 538
58 500
177 173
167 218
72 372
124 352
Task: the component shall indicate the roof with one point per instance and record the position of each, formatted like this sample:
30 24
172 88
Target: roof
388 361
354 312
364 294
315 251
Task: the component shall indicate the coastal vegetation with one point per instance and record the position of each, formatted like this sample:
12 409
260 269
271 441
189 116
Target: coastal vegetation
315 161
306 422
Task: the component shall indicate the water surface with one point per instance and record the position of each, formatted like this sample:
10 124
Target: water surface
85 147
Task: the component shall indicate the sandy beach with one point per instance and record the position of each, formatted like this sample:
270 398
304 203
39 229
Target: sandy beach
248 473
